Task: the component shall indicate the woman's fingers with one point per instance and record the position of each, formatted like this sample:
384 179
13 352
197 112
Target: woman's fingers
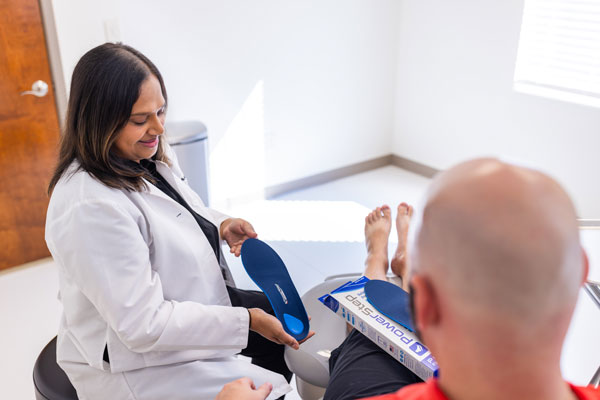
236 250
282 336
288 340
241 226
270 327
236 247
249 229
236 232
310 334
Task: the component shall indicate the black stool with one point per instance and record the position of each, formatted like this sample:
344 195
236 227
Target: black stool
50 381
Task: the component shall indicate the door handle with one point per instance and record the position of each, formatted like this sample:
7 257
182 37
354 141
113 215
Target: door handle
38 89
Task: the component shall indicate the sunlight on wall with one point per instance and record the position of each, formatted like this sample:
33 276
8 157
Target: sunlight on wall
237 163
307 221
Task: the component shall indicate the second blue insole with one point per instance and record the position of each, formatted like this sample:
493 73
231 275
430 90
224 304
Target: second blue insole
390 300
268 271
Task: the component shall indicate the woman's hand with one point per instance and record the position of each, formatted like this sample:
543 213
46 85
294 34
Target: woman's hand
270 327
235 231
244 389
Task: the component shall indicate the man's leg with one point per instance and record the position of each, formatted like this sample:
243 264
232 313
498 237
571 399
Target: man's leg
398 263
378 225
358 367
263 352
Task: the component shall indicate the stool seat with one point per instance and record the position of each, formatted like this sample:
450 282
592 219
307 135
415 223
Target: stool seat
50 381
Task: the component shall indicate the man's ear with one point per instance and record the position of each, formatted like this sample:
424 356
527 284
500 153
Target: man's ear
425 304
586 265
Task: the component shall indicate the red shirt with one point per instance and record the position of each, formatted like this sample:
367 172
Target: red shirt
431 391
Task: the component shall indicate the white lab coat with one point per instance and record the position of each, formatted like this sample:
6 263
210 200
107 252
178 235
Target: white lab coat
138 275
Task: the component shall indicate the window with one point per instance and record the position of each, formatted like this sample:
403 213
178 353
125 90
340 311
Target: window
559 51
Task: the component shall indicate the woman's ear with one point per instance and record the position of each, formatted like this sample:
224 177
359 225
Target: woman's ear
426 311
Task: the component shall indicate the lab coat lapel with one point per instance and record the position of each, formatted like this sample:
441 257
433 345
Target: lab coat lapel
178 184
175 177
154 191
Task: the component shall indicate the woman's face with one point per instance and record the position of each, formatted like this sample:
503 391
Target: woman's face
138 139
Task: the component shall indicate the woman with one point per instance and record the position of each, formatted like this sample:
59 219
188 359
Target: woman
150 311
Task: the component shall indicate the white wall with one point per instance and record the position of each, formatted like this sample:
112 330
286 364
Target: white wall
455 99
287 89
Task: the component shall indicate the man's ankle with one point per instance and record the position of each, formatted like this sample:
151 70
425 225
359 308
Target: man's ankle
378 257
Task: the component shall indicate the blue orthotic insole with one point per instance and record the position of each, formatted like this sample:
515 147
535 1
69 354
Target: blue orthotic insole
268 271
390 300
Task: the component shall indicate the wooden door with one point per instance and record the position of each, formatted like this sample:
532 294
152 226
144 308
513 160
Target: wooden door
29 133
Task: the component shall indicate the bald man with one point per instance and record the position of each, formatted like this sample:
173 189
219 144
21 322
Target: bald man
494 269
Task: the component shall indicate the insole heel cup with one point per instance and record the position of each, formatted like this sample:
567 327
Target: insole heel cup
267 270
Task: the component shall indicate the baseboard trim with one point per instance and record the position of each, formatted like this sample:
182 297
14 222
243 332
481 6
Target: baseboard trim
328 176
390 159
30 264
413 166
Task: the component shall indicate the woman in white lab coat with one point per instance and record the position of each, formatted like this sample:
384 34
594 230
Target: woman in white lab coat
150 310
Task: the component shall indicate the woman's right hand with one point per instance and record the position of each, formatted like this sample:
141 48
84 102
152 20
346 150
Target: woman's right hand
270 327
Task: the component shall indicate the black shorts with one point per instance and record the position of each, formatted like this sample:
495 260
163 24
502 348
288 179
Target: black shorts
359 368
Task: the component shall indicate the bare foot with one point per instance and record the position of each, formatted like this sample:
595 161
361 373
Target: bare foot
398 263
378 225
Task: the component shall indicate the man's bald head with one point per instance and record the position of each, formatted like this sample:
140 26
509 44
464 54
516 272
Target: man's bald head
496 239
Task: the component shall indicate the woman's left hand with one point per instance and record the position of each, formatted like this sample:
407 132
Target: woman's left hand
235 231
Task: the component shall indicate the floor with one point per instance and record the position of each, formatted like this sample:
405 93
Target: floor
318 232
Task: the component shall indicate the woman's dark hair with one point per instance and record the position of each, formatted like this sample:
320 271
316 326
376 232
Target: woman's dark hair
105 85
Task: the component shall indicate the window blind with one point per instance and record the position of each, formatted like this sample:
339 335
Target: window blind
559 50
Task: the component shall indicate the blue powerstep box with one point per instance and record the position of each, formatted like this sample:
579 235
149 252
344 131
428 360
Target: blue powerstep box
350 303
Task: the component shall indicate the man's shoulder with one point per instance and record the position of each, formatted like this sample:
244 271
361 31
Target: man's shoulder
417 391
430 391
586 392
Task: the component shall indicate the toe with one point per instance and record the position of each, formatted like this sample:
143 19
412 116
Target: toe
403 208
371 216
387 212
